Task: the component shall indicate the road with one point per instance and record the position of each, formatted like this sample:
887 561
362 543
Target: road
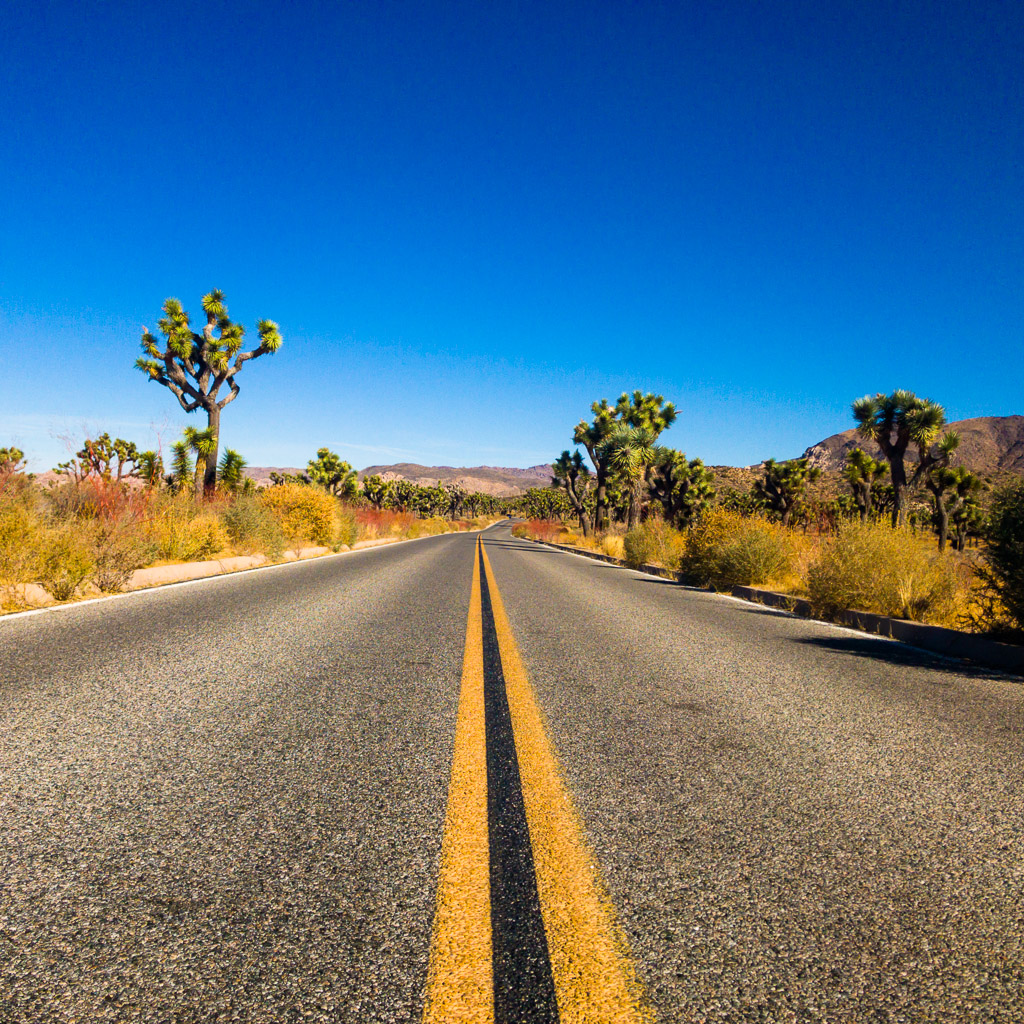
421 783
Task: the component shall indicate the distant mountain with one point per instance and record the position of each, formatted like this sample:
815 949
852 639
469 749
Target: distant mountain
497 480
501 481
990 445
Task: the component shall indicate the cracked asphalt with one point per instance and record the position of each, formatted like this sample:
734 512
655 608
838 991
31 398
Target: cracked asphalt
225 801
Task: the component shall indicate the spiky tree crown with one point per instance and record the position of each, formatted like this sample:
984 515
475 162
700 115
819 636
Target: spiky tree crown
194 366
893 421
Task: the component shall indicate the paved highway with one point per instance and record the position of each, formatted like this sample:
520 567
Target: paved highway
432 783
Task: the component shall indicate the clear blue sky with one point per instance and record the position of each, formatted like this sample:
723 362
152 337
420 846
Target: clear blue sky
473 219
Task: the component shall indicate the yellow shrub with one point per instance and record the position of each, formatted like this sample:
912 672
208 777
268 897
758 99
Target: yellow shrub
653 542
179 532
875 568
305 513
611 544
725 548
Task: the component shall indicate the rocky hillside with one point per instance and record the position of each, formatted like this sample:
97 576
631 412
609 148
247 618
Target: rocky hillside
990 445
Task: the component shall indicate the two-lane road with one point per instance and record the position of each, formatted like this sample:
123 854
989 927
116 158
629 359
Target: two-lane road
231 801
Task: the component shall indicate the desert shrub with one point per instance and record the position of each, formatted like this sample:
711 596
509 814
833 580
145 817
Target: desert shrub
373 523
118 549
521 530
1002 573
429 527
65 561
18 555
704 540
653 542
181 533
760 551
877 568
612 544
252 528
545 529
304 513
348 528
725 548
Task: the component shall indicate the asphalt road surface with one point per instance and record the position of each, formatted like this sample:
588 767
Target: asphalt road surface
422 782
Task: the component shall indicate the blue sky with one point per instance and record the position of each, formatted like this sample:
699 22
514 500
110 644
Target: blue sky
473 219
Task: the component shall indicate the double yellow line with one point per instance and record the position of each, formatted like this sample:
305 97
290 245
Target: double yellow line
595 981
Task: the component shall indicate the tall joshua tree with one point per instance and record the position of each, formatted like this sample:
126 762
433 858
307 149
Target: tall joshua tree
649 412
194 367
631 452
592 436
570 473
862 473
894 422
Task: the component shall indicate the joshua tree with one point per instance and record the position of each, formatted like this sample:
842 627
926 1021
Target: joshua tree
631 451
684 488
376 491
12 460
106 459
181 466
231 471
965 514
894 422
570 473
194 367
784 485
202 442
592 436
650 412
862 473
960 484
151 468
334 475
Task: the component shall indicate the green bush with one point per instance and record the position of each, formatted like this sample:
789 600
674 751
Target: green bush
1003 571
65 561
253 529
874 567
653 542
305 513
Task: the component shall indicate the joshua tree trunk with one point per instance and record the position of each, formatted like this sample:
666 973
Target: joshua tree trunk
899 490
942 515
584 521
210 475
601 506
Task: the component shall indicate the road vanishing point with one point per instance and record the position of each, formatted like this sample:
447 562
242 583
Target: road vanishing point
474 779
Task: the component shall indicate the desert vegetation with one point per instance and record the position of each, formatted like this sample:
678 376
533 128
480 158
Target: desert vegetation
97 523
111 508
903 530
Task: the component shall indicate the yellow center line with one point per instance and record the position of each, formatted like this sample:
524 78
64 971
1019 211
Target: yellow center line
595 980
460 983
